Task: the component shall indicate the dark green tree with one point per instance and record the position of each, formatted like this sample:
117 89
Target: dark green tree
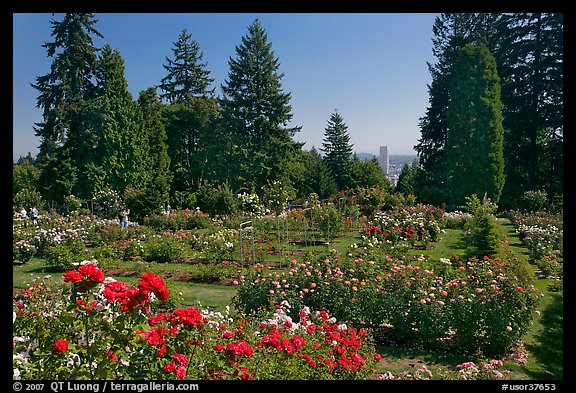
337 150
63 94
406 183
114 151
64 91
367 174
474 147
451 32
190 112
256 140
157 189
317 178
530 57
25 175
187 75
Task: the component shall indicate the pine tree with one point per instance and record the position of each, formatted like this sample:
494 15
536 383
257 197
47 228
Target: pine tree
158 188
530 56
338 150
255 115
187 75
190 112
63 94
474 148
65 90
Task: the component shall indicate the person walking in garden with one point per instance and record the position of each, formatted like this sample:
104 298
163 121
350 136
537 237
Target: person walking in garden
34 216
23 215
124 218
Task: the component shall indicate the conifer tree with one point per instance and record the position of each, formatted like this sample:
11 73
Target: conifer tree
116 151
338 150
63 95
158 187
255 115
474 147
64 91
187 75
530 55
190 111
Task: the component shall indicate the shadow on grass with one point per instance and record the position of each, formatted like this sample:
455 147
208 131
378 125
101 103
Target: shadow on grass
549 344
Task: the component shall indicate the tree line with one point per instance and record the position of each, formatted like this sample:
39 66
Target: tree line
494 121
527 51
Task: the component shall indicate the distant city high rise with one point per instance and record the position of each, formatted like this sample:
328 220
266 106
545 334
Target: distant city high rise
383 159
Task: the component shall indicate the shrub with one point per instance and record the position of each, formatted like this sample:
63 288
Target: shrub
62 256
100 328
107 203
165 248
72 203
27 198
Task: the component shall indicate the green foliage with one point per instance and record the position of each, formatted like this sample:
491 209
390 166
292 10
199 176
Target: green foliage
25 175
72 203
337 150
474 148
367 173
216 200
533 201
184 200
483 236
252 134
27 198
166 248
61 257
107 203
186 74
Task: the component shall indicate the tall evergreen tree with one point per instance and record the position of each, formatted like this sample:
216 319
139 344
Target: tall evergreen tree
158 188
63 94
187 75
451 32
255 114
65 90
190 112
474 147
530 56
338 150
116 152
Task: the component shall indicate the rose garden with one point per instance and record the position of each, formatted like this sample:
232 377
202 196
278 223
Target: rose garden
349 287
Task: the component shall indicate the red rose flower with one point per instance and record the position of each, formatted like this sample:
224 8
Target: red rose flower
61 345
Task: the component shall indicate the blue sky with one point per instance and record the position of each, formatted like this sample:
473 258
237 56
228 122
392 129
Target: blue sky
370 67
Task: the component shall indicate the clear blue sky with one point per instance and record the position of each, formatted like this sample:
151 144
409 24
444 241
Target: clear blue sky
370 67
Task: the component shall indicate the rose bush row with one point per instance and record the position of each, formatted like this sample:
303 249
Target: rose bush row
483 304
100 328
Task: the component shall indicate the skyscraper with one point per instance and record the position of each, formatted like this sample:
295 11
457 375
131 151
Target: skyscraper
383 159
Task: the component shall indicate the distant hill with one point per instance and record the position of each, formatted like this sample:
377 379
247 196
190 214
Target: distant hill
392 158
365 156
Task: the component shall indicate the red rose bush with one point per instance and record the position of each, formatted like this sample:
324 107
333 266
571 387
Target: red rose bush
96 327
